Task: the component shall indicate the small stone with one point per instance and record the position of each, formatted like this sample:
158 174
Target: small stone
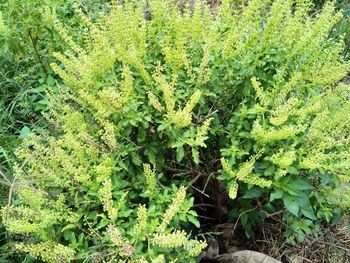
246 256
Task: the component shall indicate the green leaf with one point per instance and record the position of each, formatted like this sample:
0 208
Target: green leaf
278 194
195 155
300 237
291 204
293 170
68 235
180 153
253 193
102 223
136 160
24 133
300 184
303 201
81 238
182 216
296 187
309 213
50 80
193 220
244 219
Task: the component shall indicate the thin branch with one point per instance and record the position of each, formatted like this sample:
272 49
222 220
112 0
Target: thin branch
200 120
194 180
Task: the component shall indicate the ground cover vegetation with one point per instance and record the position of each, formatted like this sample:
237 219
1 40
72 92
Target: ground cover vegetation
119 118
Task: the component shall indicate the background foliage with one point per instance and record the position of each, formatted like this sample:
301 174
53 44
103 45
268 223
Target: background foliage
158 95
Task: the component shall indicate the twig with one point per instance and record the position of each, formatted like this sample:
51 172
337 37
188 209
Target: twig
206 217
195 188
194 180
33 41
200 120
234 228
207 181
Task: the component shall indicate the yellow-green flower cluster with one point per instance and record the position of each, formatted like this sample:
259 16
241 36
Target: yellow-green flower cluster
151 179
263 96
159 259
99 57
48 251
273 134
281 114
104 169
142 216
327 143
232 188
34 198
202 132
127 85
25 220
3 27
166 88
204 71
174 208
108 136
237 39
182 117
153 100
173 240
67 38
244 174
115 236
283 158
192 101
195 247
339 196
312 108
105 193
124 248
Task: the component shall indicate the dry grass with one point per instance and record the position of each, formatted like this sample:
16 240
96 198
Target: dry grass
332 246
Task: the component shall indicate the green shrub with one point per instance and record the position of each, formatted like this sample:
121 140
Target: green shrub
180 90
27 40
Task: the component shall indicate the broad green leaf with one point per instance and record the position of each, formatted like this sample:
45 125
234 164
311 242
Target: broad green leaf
180 153
24 133
291 204
253 193
309 213
300 184
193 220
278 194
244 219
